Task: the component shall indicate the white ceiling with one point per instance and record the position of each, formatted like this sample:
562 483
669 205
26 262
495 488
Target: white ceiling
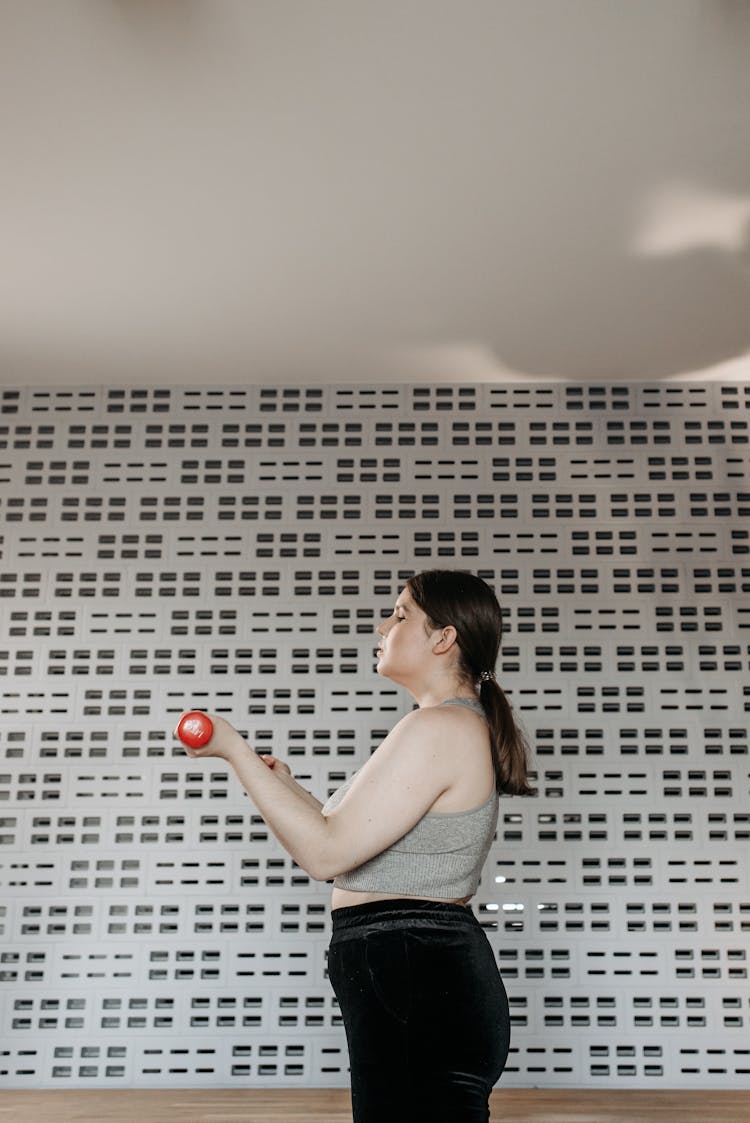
255 191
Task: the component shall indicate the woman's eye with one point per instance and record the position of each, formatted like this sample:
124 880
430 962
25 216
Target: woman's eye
400 617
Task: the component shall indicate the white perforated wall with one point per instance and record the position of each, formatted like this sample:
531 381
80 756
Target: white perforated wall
232 549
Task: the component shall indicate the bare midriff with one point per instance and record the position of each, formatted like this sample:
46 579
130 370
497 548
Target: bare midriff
344 898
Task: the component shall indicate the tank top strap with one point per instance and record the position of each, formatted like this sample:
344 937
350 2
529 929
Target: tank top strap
472 703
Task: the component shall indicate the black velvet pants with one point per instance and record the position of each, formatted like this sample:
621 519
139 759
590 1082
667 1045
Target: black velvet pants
424 1009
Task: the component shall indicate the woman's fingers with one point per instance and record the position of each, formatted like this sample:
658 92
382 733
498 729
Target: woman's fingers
275 764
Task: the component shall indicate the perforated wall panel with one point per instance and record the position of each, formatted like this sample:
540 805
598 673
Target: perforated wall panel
233 549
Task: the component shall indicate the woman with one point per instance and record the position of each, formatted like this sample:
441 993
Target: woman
405 839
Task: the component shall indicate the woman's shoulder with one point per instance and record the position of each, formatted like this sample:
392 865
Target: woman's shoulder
442 719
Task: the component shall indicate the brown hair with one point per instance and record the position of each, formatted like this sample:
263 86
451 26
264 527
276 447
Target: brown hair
457 597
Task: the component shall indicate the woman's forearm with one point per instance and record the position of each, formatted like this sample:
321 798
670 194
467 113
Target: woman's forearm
292 813
302 791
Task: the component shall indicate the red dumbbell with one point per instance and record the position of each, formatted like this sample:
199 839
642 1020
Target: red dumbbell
195 729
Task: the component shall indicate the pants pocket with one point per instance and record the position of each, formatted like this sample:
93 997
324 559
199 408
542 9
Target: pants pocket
387 964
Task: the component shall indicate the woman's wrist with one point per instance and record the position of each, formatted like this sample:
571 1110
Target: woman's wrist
238 751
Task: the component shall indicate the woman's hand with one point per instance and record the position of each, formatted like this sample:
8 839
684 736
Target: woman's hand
225 742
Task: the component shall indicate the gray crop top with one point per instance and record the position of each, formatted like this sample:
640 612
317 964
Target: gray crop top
441 856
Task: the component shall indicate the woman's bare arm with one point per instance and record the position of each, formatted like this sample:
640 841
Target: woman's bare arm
308 796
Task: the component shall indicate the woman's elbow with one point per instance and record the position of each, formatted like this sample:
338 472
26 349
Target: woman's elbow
322 872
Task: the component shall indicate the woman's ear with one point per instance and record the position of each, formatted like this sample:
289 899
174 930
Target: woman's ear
447 639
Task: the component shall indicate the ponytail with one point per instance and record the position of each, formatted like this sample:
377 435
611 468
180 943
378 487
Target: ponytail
510 749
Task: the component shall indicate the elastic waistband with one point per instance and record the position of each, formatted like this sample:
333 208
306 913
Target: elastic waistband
402 912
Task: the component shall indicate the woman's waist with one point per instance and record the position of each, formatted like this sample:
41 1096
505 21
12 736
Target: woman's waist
400 912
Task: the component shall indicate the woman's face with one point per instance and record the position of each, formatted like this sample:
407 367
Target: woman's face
404 643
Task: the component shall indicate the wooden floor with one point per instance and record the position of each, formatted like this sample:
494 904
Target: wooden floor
333 1105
